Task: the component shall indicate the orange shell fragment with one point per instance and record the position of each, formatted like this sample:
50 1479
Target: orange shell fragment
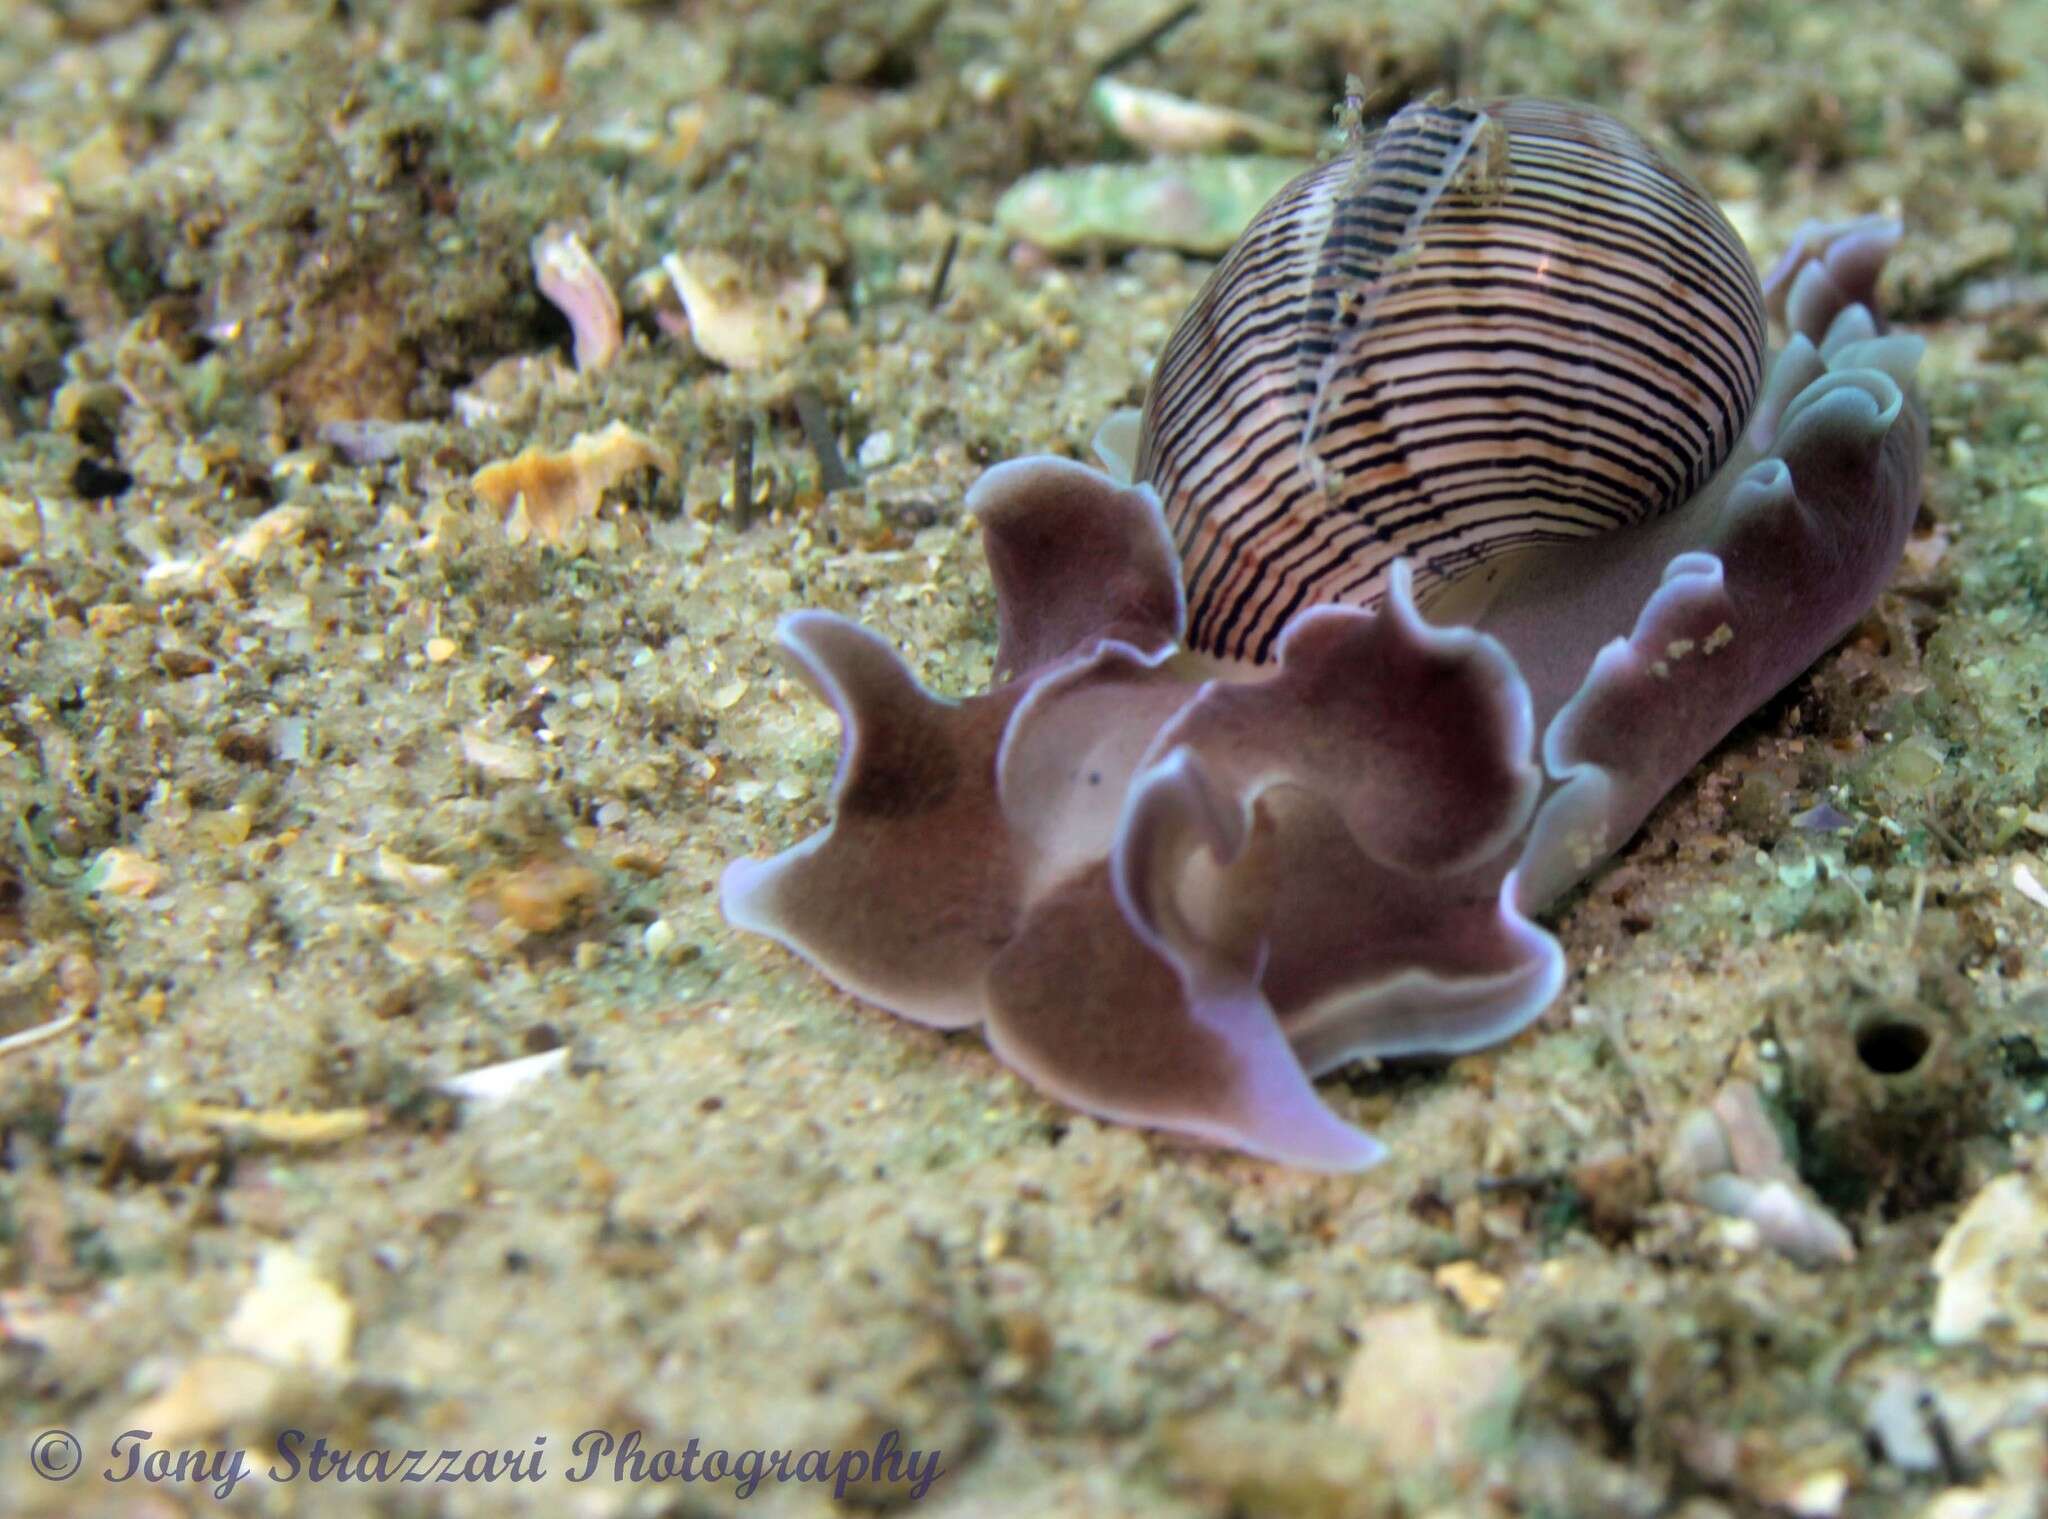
551 495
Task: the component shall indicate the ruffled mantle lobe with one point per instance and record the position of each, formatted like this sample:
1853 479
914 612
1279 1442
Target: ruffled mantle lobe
1174 900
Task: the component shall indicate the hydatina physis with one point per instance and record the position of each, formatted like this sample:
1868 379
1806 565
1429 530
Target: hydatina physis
1465 515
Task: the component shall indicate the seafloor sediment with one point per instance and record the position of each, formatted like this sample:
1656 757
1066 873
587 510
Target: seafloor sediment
326 784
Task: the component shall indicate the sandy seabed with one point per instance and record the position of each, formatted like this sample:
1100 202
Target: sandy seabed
327 789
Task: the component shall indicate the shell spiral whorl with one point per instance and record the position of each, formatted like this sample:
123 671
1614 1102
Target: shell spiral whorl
1481 328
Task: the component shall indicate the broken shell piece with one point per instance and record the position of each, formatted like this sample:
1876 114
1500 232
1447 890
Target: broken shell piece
1167 123
124 873
553 495
1753 1143
21 527
499 388
1422 1395
372 440
275 1126
1899 1420
291 1324
410 875
1993 1265
292 1315
734 324
32 204
497 759
1786 1216
2029 885
41 1033
228 561
279 526
1728 1157
1477 1290
209 1394
545 896
569 277
491 1085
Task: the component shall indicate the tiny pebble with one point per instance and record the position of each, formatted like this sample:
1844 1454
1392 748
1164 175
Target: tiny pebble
440 650
876 450
658 939
1477 1290
547 895
493 1084
1823 818
124 873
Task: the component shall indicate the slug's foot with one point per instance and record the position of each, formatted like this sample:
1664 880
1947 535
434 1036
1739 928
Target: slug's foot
1374 783
1093 1015
1120 867
1830 267
1801 545
1289 882
1075 560
884 900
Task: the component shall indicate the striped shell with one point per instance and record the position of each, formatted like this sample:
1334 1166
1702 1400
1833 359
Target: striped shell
1481 328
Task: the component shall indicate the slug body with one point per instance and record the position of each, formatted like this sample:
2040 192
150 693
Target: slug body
1467 475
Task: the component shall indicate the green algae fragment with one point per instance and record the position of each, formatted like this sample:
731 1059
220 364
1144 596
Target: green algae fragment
1197 205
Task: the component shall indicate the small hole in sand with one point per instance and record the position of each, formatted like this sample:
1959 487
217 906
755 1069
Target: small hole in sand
1892 1046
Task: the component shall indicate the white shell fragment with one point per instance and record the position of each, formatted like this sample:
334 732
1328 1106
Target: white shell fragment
1728 1157
490 1085
292 1327
1897 1419
497 758
1422 1395
569 277
1168 123
125 873
292 1315
1484 327
1993 1266
736 324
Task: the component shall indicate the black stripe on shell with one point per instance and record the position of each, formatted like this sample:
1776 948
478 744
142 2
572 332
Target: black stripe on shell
1485 327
